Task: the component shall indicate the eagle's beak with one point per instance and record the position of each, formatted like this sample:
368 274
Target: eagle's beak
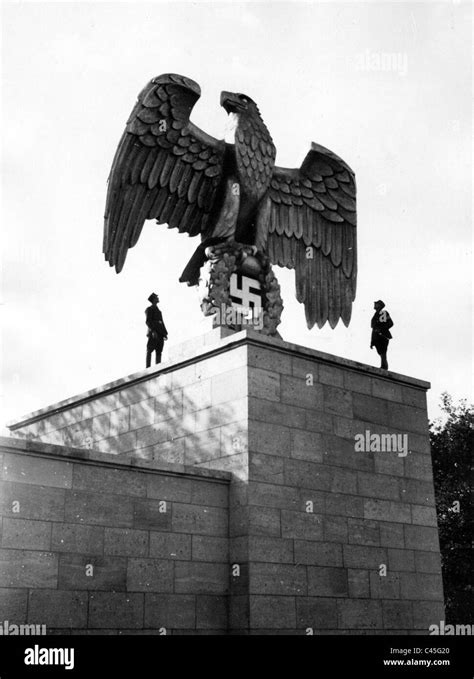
230 102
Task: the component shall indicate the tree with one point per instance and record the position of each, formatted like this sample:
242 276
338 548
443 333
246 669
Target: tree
452 444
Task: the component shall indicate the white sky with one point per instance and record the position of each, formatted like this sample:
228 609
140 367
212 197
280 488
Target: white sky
71 73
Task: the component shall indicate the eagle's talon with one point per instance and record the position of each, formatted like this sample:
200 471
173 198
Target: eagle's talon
253 250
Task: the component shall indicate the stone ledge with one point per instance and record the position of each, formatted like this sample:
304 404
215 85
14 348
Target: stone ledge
256 338
212 344
90 456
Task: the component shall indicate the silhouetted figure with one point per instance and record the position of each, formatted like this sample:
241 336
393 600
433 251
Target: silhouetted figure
381 335
157 332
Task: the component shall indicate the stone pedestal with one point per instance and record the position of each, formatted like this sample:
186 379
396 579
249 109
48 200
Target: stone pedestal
332 523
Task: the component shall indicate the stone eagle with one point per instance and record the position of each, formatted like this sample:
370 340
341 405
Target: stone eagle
169 170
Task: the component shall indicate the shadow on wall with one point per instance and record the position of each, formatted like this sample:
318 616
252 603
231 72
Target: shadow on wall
156 420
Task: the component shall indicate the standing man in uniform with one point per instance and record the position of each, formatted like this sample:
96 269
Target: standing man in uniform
381 335
157 333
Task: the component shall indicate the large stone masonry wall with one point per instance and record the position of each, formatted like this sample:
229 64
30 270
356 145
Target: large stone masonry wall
155 537
187 411
324 520
321 537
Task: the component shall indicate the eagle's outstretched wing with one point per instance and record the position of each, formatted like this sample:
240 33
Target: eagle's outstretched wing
165 168
312 229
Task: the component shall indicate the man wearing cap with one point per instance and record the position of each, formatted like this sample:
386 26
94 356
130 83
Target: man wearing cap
157 332
381 335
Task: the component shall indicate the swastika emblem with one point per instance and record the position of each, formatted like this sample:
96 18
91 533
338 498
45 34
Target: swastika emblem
245 294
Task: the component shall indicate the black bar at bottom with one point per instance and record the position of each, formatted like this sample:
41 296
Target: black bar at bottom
155 656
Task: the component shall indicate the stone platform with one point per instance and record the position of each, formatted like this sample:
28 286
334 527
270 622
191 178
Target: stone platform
324 534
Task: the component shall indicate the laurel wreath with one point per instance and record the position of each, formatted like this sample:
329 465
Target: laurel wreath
224 260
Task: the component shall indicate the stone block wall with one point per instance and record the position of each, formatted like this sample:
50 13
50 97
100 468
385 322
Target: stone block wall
187 412
339 539
323 537
88 546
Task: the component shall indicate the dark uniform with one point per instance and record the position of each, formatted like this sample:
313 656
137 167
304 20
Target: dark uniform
157 332
381 335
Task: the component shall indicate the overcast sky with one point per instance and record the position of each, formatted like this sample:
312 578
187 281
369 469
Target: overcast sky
71 74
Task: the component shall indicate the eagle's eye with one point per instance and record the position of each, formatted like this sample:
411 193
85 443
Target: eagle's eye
243 99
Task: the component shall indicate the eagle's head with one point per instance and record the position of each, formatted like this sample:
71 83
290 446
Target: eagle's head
243 114
234 102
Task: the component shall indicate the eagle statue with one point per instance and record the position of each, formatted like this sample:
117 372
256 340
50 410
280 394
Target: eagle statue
230 191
